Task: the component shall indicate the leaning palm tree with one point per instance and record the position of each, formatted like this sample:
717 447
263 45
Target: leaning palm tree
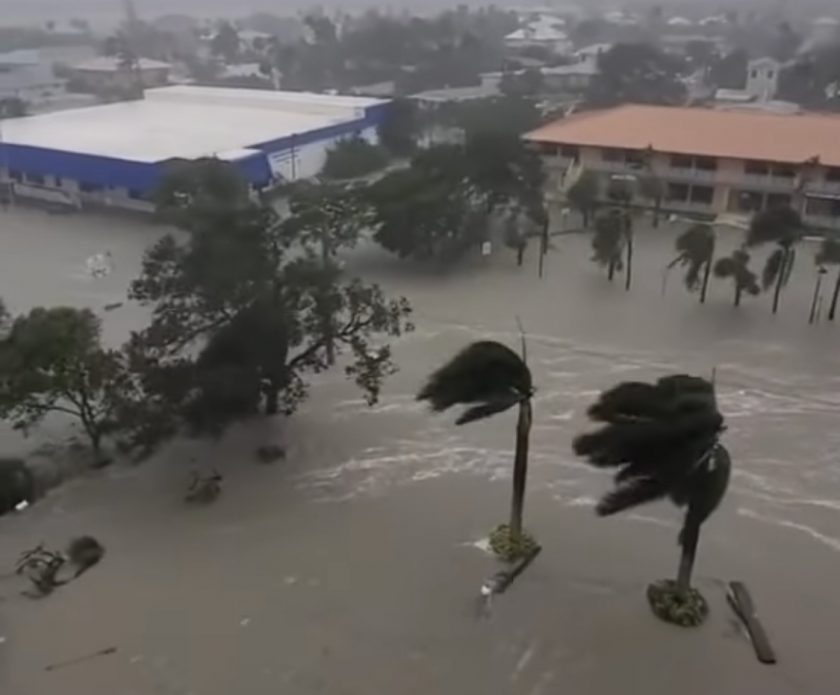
490 378
737 267
664 439
608 242
829 254
696 250
783 227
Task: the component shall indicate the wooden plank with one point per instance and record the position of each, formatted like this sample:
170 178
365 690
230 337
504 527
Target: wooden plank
741 601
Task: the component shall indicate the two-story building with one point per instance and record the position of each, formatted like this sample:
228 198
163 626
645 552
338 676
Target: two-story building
710 162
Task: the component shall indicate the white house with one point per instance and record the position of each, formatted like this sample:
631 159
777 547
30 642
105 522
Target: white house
545 31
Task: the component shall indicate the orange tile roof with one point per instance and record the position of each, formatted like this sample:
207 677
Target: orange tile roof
791 139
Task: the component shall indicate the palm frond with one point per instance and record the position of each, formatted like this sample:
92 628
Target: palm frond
772 268
829 253
485 373
654 434
775 225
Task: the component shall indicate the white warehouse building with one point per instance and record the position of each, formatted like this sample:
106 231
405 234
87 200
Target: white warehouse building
116 155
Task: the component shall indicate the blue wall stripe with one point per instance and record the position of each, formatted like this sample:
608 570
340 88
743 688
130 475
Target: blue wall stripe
145 177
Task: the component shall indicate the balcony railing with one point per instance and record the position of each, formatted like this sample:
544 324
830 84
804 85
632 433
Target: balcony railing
822 221
827 187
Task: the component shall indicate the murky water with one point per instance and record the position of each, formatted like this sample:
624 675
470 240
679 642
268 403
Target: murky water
352 567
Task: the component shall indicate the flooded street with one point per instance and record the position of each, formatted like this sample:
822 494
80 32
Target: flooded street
352 568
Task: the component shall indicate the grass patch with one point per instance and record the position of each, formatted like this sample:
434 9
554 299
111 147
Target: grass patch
509 548
684 609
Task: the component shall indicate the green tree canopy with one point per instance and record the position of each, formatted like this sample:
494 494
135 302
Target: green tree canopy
52 361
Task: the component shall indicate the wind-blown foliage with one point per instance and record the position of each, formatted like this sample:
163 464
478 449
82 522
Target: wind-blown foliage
583 195
695 252
783 227
486 375
608 242
488 378
736 267
663 439
52 361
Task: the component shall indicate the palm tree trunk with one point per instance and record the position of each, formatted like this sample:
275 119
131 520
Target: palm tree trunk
657 209
629 276
707 272
779 282
688 540
272 399
520 468
813 315
325 260
738 291
834 297
611 270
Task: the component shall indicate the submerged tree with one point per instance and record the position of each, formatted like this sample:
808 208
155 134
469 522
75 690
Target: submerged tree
737 268
52 361
490 378
783 227
608 242
664 440
696 251
829 254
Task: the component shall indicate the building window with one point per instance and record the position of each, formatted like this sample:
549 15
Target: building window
15 175
833 175
705 163
570 152
134 194
677 192
680 161
704 195
89 187
784 172
778 200
747 201
770 74
756 168
822 207
37 179
754 74
635 159
549 149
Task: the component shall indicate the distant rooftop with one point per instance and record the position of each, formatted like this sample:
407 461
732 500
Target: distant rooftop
791 139
112 64
185 122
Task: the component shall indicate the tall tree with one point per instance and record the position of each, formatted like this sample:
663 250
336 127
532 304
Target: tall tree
636 73
782 227
695 252
490 378
245 307
13 107
52 361
622 191
652 189
829 254
608 242
583 195
664 439
737 268
225 43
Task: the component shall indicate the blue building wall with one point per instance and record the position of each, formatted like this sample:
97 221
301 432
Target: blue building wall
145 177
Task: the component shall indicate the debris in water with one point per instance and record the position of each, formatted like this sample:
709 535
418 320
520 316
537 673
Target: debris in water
100 265
80 659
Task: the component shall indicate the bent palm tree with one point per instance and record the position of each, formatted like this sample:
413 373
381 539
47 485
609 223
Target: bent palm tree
489 378
608 242
736 267
783 227
696 250
664 440
829 254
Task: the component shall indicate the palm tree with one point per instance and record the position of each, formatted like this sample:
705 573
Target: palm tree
608 242
696 250
829 254
736 267
583 195
783 227
664 439
490 378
